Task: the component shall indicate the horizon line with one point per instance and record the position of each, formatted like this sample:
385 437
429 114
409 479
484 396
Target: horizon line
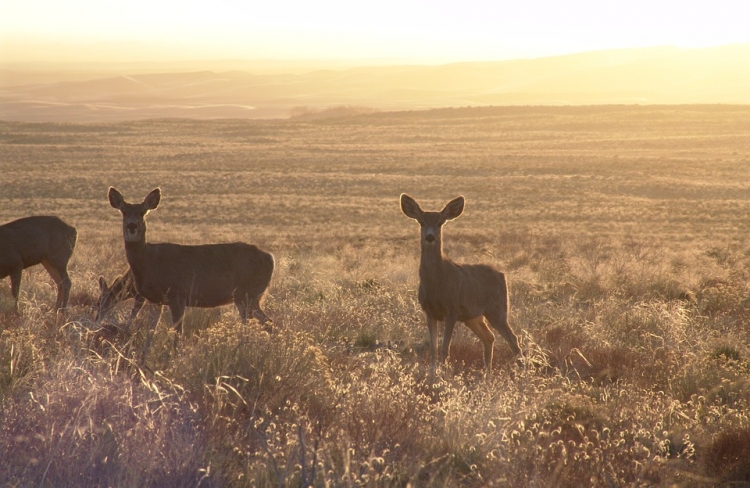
341 62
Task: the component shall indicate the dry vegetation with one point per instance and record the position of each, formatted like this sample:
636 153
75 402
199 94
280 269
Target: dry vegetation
623 232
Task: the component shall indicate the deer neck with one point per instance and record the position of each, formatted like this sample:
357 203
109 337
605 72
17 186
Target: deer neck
135 252
432 262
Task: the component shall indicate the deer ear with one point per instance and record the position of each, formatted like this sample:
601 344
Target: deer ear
102 284
410 207
152 199
454 208
115 198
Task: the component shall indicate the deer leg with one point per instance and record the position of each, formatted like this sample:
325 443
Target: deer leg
15 285
62 280
483 331
65 285
153 321
241 301
138 302
262 318
500 322
448 325
259 315
432 328
177 308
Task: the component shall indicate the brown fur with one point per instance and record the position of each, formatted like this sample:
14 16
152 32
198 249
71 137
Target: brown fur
451 292
182 276
36 240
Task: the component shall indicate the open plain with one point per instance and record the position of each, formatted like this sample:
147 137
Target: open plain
623 232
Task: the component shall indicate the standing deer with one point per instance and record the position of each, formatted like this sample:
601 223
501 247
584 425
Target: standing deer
36 240
123 288
182 276
451 292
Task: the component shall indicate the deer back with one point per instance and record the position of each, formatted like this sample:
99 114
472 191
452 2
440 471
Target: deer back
465 291
31 240
206 275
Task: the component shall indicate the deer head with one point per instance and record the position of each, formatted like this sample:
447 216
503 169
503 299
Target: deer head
431 223
133 214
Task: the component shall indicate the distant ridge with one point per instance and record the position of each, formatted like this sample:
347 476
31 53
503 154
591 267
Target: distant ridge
660 75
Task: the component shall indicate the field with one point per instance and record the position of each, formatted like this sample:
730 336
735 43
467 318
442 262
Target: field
623 231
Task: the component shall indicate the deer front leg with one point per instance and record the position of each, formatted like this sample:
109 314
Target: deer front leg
177 308
15 285
448 325
242 302
138 302
153 320
432 328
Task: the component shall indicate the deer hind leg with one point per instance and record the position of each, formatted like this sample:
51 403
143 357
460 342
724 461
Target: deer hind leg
483 331
61 278
499 320
250 302
258 313
264 320
59 274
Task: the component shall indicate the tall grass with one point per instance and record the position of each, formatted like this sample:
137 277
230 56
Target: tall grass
628 275
617 387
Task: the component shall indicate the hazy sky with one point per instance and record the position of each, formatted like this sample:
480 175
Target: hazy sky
407 30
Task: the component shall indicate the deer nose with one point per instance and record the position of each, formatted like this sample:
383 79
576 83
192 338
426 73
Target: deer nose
430 238
132 228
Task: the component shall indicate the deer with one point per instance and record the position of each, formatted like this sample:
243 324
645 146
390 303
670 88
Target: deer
40 239
123 288
470 293
180 276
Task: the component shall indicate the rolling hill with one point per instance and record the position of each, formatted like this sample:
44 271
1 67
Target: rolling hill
661 75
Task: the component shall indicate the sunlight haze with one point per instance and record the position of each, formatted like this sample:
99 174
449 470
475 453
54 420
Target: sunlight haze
405 31
86 60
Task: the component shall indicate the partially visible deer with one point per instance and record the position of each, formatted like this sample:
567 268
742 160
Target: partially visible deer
450 292
182 276
36 240
123 288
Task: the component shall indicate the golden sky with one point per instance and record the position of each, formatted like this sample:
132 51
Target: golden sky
422 31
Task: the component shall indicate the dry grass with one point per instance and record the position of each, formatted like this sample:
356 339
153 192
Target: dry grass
622 231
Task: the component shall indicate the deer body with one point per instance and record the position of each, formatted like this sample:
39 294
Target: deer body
192 275
200 276
450 292
448 289
44 240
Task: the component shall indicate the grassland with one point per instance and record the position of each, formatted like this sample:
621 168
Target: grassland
623 231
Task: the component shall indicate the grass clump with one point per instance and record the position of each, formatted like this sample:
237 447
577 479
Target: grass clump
83 426
21 361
